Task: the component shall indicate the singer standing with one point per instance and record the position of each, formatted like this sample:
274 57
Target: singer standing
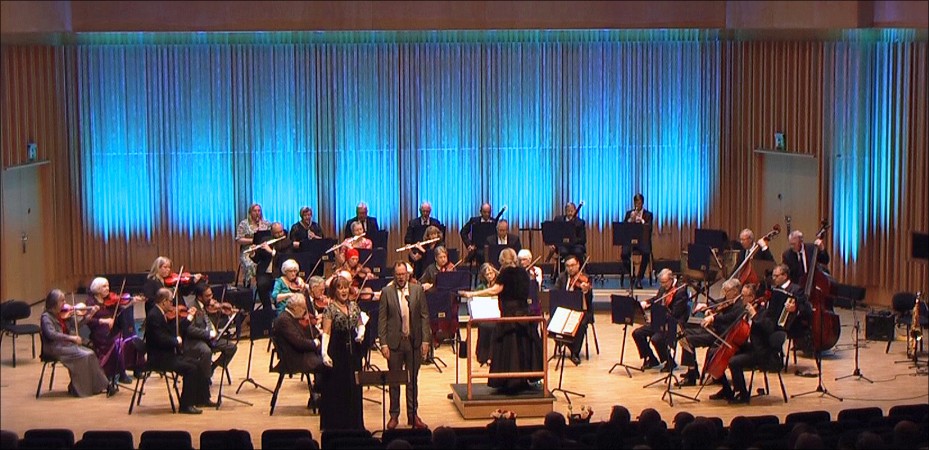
405 337
638 214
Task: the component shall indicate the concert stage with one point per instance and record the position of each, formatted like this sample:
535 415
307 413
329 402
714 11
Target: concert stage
894 384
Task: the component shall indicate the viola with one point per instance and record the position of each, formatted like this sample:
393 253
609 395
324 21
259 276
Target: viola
184 278
222 307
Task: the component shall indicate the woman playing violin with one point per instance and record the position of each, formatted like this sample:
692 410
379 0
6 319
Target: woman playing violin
160 275
442 264
288 286
60 340
111 329
359 273
574 279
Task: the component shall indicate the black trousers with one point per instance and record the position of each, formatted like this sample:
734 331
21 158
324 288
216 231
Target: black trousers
196 386
661 340
640 269
264 283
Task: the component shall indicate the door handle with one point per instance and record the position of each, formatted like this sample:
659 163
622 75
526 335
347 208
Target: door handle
24 239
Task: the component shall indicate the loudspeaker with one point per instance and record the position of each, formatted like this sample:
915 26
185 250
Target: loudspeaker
879 327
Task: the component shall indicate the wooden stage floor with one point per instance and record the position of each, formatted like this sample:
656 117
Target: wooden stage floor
894 384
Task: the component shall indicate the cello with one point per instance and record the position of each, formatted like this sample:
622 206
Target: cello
818 288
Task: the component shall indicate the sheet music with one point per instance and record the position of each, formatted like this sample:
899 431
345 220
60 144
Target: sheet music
484 308
572 322
558 319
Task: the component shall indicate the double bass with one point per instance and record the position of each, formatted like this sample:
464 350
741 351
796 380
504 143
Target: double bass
745 272
818 288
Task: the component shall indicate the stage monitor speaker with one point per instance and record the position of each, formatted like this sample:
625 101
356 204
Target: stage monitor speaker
880 326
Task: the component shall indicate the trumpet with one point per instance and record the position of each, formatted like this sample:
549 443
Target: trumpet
407 247
252 248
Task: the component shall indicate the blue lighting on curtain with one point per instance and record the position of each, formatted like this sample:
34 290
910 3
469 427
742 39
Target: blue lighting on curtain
866 132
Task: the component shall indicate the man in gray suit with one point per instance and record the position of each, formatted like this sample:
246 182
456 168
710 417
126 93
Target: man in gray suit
405 336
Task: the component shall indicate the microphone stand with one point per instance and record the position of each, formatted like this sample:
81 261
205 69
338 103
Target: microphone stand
857 371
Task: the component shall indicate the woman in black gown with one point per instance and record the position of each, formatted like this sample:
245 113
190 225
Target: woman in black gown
517 347
341 407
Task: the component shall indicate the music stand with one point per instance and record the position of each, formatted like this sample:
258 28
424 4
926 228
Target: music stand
699 258
382 379
623 311
314 254
563 328
630 235
558 234
479 233
377 262
492 253
572 300
259 328
379 238
662 319
441 318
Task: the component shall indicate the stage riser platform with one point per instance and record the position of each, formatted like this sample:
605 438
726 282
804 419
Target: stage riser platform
484 402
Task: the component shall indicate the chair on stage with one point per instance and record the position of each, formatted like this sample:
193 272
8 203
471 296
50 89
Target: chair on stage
10 312
146 372
46 360
775 365
282 369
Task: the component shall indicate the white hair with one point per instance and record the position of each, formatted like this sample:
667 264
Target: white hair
97 284
795 234
290 264
749 232
732 284
524 253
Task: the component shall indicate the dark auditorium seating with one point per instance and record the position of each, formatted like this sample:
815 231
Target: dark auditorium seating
160 440
283 438
331 435
808 417
863 415
106 439
48 438
223 439
915 413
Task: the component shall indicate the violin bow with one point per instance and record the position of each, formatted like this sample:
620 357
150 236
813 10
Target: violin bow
177 322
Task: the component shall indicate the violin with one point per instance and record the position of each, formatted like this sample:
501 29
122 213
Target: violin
184 278
179 312
78 310
221 307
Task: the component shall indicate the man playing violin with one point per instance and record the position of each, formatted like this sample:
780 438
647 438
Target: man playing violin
442 264
202 338
305 230
572 279
673 296
162 342
718 319
297 340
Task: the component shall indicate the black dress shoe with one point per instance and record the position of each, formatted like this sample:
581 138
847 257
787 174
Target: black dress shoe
576 360
208 404
741 397
190 410
125 379
669 366
650 363
723 394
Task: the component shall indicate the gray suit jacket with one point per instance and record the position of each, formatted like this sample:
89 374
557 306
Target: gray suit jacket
389 326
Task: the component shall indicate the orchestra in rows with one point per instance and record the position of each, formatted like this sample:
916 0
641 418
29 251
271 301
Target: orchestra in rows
322 326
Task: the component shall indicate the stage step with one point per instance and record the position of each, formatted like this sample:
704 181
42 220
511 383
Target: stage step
485 401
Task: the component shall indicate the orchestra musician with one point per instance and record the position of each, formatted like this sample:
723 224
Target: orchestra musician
109 333
574 279
672 294
158 277
747 240
788 295
60 340
638 214
718 320
244 233
202 338
368 223
162 344
288 286
298 341
799 256
578 243
305 230
357 273
442 264
317 300
418 253
757 351
504 237
266 258
525 261
358 241
476 249
416 229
